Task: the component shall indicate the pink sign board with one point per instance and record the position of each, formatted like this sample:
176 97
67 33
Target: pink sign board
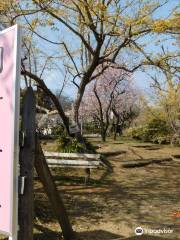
9 129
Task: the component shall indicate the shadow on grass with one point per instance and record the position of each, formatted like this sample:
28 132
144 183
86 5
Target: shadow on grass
153 148
47 234
113 154
72 180
144 237
117 143
148 147
98 235
147 237
80 180
176 156
43 210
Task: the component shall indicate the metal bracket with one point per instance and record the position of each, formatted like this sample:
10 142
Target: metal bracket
22 180
22 136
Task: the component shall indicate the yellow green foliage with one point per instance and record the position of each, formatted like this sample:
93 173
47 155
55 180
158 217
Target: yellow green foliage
6 4
161 26
169 100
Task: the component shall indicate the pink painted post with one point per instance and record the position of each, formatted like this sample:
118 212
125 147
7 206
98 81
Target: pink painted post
9 130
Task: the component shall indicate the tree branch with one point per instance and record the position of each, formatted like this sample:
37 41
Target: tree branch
54 99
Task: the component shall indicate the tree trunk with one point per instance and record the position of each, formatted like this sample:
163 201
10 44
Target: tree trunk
76 108
85 80
116 127
103 134
53 97
115 133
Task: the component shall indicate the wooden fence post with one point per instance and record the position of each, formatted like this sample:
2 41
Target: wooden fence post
28 158
54 196
27 155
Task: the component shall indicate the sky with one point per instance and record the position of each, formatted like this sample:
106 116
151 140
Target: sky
141 79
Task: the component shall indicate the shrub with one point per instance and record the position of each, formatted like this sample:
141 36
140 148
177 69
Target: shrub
59 130
71 145
155 130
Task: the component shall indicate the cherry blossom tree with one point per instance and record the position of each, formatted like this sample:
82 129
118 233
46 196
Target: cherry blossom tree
124 109
110 96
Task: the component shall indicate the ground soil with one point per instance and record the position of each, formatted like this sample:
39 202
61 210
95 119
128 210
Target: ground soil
115 202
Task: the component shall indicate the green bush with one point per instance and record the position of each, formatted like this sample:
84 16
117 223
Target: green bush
59 130
91 127
139 133
156 131
69 145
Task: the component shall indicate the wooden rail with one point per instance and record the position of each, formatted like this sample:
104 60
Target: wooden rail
74 160
77 160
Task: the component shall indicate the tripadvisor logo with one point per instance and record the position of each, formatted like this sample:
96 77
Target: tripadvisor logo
139 231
